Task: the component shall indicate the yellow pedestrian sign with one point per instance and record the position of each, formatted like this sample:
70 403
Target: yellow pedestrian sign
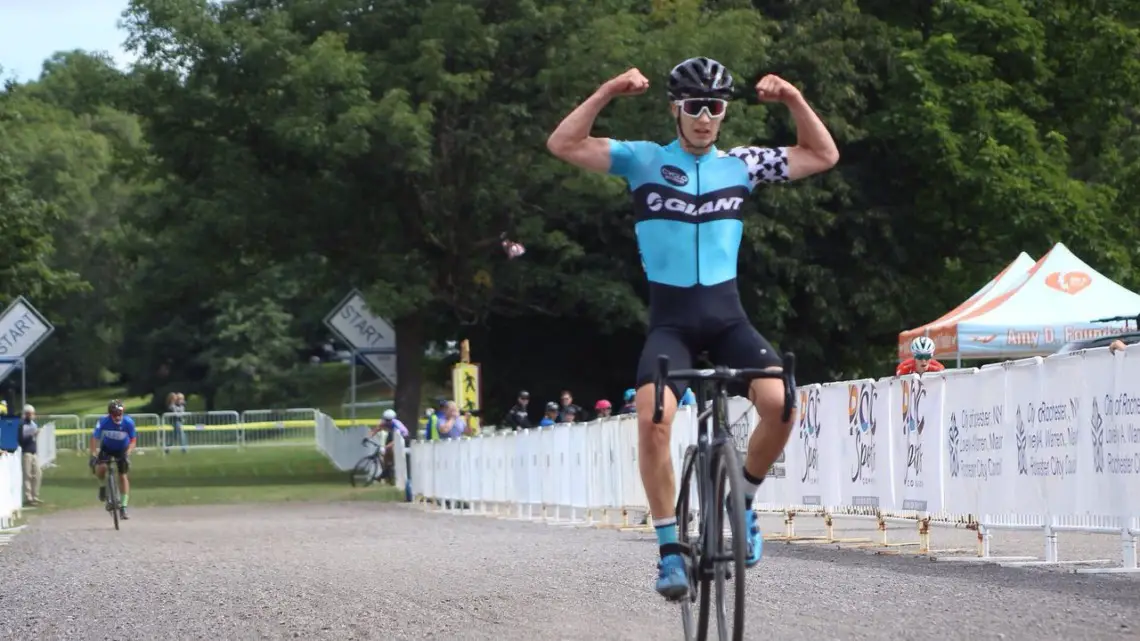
465 385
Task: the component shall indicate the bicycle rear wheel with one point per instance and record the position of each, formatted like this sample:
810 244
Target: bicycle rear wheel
364 474
727 554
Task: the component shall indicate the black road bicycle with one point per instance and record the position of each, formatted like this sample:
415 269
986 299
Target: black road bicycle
718 471
369 467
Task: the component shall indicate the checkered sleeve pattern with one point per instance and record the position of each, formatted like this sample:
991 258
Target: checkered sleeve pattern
765 164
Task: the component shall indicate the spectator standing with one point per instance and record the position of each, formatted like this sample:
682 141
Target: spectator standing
29 431
431 427
176 405
568 407
551 416
453 425
629 407
518 418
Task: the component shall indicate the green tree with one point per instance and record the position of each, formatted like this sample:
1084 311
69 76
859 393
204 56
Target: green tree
26 230
82 156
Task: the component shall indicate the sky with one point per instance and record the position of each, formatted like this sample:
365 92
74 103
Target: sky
32 30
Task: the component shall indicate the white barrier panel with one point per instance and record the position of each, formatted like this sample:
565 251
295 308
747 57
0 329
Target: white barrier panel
1047 444
342 446
45 446
914 441
11 487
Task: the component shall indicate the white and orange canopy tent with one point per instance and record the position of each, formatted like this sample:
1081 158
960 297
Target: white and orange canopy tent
1009 278
1054 302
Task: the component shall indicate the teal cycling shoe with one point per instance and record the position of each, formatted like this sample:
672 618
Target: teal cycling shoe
672 579
755 538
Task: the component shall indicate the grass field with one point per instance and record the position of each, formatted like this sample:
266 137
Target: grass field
252 475
330 392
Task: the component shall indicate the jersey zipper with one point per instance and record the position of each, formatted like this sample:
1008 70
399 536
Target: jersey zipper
697 253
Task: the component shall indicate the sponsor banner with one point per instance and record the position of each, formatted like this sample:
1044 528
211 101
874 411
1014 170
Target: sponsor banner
916 436
979 340
865 451
1109 458
1045 398
806 480
974 428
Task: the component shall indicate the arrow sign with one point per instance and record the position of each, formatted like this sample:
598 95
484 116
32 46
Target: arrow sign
22 329
361 329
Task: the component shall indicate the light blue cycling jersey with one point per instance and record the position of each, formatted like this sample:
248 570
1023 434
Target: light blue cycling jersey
113 438
689 218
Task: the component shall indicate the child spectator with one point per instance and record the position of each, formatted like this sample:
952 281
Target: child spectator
603 408
629 407
551 416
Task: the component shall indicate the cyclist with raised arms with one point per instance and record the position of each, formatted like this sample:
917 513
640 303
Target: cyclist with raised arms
688 197
114 437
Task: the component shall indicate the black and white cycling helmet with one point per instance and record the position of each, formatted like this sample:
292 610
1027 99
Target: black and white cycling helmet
700 78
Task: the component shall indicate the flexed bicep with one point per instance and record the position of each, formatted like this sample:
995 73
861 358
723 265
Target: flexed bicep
590 153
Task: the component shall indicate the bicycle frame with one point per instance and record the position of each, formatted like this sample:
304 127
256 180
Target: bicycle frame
716 411
113 468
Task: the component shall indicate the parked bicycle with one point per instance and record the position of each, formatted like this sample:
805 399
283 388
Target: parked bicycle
369 468
716 467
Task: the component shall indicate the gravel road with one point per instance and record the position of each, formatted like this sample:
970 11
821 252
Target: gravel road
345 571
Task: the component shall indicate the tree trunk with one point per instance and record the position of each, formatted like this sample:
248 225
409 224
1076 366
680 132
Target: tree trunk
409 368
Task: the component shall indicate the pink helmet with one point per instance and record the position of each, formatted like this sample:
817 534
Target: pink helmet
602 405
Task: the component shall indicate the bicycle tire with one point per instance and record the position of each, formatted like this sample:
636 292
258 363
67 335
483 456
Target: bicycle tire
692 548
367 466
728 480
113 494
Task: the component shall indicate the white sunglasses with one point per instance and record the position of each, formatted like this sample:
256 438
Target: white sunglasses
694 107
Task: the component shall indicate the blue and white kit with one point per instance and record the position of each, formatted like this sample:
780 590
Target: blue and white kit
689 228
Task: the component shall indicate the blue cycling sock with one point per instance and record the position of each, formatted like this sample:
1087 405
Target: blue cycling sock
667 541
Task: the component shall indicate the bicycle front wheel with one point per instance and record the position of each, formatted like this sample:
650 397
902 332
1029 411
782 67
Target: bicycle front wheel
684 511
113 495
364 474
727 550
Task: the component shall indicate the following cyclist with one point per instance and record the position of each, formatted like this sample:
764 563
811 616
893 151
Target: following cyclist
392 424
923 360
114 438
688 198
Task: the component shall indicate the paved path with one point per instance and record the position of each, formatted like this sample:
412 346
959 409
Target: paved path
372 571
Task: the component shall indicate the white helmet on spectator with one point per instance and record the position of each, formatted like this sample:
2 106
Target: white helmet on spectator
922 347
389 415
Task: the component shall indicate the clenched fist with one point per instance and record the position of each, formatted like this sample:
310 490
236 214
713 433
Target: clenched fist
773 88
630 83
